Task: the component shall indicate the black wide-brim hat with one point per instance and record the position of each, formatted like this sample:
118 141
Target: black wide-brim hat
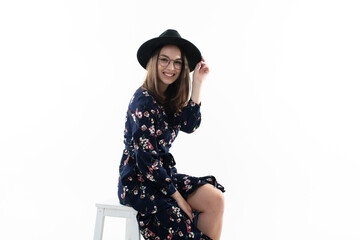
172 37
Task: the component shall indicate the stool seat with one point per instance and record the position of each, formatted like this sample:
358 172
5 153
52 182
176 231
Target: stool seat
113 208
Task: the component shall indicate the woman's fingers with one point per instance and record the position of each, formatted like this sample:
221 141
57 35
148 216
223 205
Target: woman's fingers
183 204
198 66
186 208
201 71
203 65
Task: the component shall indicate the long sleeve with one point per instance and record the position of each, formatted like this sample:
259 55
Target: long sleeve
144 115
190 117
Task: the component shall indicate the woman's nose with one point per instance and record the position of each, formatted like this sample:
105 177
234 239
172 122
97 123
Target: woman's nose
171 65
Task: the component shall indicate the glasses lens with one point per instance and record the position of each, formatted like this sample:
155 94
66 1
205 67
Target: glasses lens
177 64
164 62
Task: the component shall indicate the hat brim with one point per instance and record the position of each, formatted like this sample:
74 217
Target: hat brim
147 49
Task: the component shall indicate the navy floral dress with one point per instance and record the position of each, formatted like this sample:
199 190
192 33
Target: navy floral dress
148 176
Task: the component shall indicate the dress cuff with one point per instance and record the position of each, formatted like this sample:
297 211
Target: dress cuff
193 104
172 189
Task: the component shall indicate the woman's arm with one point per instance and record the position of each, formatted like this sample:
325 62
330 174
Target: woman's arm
190 117
200 73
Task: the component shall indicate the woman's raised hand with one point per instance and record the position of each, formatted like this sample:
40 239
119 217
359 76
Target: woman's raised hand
201 71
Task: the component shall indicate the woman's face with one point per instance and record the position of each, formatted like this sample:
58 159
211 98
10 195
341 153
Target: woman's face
169 65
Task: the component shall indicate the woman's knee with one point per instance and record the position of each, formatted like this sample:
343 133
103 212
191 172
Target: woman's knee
218 201
207 198
215 200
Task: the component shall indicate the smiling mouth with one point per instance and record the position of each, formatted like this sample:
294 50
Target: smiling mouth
169 74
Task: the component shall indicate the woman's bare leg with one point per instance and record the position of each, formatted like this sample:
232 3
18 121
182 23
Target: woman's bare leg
209 201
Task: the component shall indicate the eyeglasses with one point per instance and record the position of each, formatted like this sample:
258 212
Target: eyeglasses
164 62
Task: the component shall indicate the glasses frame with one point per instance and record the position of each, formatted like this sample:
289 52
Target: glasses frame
170 60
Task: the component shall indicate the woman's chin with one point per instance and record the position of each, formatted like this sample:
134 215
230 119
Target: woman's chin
167 81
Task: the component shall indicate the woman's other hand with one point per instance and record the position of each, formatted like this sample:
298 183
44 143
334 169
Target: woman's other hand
183 204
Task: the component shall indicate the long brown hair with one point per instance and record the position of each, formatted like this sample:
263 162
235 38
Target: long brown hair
177 93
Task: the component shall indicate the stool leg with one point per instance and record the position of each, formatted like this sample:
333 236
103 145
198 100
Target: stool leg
132 229
99 226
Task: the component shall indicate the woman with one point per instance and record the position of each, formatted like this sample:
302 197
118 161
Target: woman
170 205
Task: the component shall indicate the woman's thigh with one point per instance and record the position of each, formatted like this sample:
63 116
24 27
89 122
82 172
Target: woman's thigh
206 197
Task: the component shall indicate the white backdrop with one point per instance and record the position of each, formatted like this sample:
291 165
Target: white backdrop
280 126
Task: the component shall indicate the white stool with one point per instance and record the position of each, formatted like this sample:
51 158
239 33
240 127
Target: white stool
115 209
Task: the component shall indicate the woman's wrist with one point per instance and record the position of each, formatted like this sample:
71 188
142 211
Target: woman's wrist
177 196
196 92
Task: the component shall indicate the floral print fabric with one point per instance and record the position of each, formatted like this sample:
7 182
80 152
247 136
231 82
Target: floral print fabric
148 176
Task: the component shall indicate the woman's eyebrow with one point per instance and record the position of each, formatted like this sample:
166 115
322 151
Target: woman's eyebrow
163 55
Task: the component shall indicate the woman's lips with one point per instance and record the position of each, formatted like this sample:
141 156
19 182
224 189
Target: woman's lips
169 74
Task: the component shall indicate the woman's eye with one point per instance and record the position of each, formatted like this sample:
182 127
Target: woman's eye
164 60
178 62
